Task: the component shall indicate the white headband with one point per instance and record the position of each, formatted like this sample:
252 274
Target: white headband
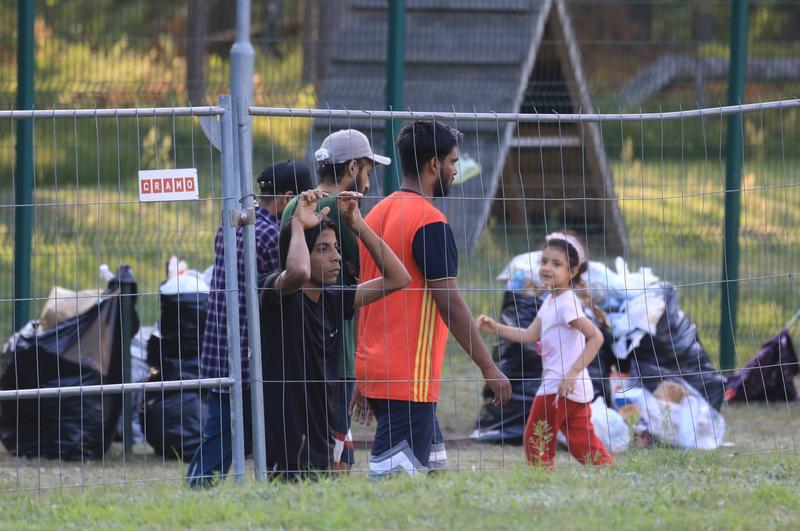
572 241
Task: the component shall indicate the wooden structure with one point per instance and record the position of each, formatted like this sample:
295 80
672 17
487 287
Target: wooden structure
487 56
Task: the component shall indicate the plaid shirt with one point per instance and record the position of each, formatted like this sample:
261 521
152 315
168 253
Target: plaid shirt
214 359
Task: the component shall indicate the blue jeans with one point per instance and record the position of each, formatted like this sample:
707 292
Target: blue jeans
213 458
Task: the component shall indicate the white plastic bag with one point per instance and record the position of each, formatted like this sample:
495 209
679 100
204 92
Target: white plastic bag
610 427
607 288
527 263
698 424
190 281
692 423
634 281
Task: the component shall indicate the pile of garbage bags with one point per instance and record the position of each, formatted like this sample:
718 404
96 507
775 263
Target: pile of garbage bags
76 342
648 339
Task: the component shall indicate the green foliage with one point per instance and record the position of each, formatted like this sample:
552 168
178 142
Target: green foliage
540 440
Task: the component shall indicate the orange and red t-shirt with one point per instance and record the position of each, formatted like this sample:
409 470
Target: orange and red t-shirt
402 337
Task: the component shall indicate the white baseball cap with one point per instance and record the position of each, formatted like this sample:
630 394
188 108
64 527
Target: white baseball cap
347 144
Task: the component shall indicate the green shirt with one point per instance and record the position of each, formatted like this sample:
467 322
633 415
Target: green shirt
350 262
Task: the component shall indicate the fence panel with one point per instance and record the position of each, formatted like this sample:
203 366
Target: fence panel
643 191
646 194
109 369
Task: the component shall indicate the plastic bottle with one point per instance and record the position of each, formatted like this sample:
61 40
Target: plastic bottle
517 280
105 272
619 384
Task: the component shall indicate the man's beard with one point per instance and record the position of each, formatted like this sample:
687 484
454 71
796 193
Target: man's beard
354 188
442 187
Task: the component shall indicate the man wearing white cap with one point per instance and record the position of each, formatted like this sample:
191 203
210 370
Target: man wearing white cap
343 163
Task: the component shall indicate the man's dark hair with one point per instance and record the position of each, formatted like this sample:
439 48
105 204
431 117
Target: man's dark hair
333 173
283 177
420 141
311 236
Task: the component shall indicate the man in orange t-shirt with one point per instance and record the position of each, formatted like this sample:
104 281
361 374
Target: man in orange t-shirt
402 338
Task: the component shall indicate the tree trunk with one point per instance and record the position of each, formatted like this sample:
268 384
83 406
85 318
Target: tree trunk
197 35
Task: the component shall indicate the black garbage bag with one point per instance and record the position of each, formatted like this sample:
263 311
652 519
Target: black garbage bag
173 420
675 351
600 368
180 328
769 375
83 350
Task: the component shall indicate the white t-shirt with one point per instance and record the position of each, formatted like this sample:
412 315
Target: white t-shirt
561 345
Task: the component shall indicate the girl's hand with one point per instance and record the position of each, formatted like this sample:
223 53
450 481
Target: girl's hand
486 323
567 384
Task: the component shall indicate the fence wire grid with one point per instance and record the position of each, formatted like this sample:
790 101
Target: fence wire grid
645 192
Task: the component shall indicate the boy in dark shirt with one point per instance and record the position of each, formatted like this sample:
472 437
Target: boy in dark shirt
302 310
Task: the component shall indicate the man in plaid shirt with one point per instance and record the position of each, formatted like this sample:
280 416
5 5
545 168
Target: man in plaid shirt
279 183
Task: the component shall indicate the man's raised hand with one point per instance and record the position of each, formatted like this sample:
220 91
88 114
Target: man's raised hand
347 203
306 211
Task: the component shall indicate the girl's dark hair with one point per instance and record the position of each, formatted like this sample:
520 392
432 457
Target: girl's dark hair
420 141
311 236
579 285
330 172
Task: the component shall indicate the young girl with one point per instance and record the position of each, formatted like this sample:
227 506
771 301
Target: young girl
569 343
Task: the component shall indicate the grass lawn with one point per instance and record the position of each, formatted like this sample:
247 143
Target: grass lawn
648 489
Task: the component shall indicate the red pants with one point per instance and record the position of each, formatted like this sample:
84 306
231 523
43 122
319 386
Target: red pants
551 414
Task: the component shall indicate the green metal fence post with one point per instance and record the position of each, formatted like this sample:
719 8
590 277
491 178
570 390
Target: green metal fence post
23 182
733 179
395 58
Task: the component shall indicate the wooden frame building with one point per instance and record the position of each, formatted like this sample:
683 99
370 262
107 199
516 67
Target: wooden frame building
487 56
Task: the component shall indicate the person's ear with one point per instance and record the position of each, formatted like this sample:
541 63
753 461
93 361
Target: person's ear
286 198
352 168
435 164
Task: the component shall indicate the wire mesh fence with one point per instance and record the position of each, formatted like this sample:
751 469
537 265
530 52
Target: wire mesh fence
645 192
113 352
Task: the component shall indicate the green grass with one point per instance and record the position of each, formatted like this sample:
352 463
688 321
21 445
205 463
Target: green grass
654 489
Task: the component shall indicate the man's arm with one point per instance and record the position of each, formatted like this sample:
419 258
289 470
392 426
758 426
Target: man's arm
298 260
395 276
298 263
457 315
